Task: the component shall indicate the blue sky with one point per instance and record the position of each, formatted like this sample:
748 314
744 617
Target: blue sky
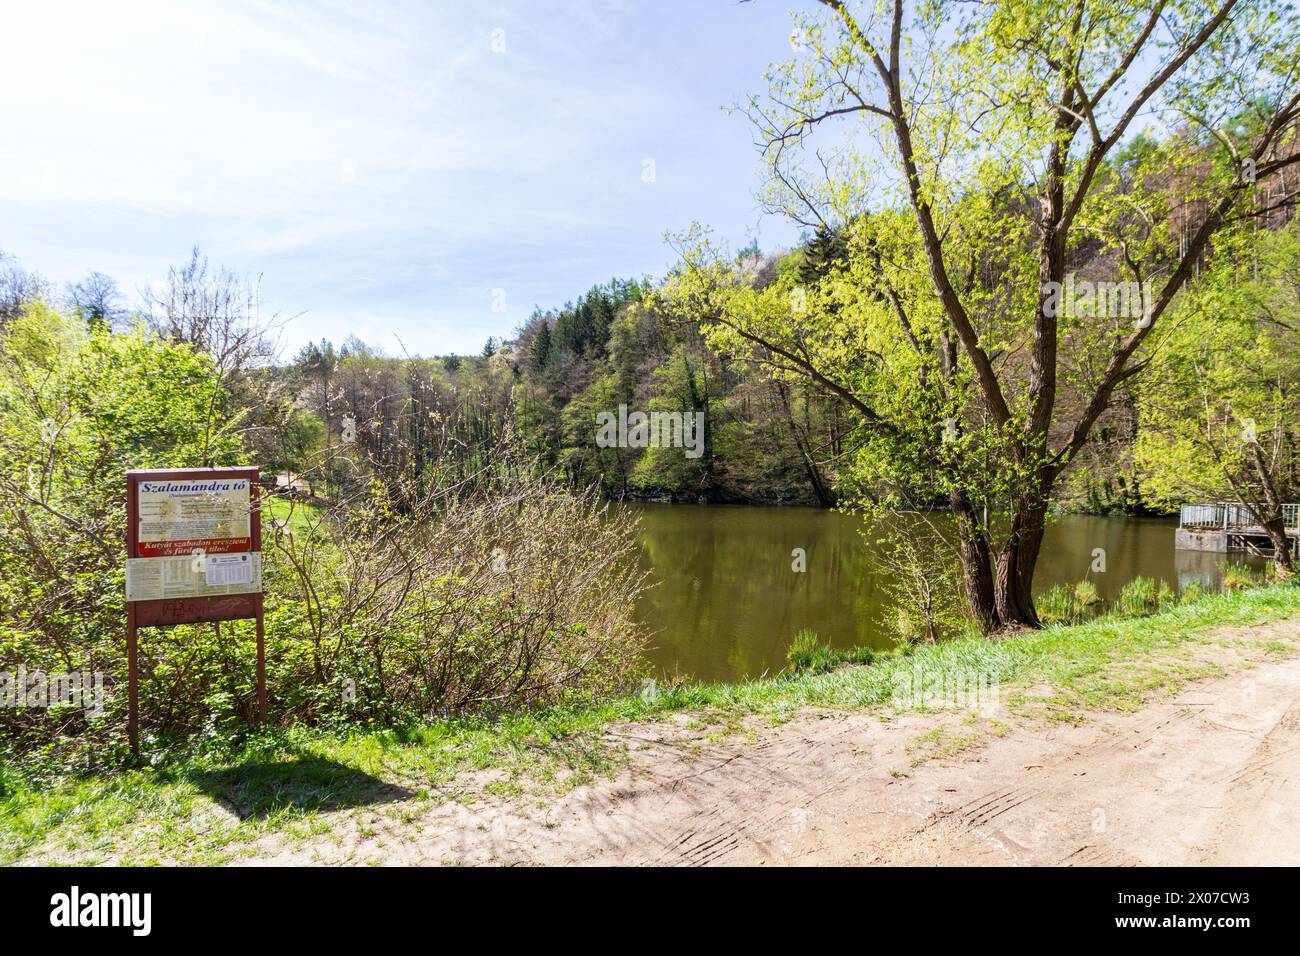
381 165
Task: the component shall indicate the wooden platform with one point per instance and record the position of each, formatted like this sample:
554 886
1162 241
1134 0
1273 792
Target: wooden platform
1230 527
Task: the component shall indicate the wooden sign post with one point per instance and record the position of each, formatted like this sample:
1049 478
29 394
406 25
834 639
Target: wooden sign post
193 554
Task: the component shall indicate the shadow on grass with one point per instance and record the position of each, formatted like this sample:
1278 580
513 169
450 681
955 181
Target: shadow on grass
260 788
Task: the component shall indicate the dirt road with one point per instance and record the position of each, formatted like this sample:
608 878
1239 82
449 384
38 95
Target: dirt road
1210 774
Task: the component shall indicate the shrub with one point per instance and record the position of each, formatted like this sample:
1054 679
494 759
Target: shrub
807 654
1238 577
512 596
437 594
921 577
803 649
78 407
1064 604
1139 596
1057 605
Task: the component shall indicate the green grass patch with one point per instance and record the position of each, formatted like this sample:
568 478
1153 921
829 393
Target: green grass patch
808 655
293 515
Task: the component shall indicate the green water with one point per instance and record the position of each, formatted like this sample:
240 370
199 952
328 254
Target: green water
727 602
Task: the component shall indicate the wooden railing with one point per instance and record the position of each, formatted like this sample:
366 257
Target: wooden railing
1232 515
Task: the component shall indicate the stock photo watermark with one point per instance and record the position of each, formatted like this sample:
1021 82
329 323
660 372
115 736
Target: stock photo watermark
76 908
43 690
624 429
921 689
1116 300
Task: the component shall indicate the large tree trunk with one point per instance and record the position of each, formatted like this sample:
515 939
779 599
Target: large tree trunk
1269 512
1014 581
1283 553
976 564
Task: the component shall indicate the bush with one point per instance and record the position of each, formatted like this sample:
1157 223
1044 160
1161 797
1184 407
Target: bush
803 649
1166 595
921 577
1238 577
807 655
1139 596
511 596
1064 604
78 407
1057 605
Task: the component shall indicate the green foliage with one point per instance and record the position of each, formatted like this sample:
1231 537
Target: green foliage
808 655
1086 595
924 305
1057 606
803 649
1239 577
680 386
541 350
619 345
922 581
1065 604
1139 596
1219 412
78 407
389 607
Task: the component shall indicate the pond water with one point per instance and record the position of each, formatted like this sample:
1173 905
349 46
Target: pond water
726 602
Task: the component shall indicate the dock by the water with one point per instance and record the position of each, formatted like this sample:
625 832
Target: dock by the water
1228 526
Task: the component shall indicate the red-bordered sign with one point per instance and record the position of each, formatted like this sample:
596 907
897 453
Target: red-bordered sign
194 551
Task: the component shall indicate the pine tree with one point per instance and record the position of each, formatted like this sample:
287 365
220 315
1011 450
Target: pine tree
541 351
823 252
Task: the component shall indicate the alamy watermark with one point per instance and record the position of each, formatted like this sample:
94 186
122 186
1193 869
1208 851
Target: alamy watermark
74 908
42 689
651 430
1116 300
965 689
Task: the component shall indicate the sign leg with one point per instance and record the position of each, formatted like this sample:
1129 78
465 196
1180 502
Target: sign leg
132 683
261 668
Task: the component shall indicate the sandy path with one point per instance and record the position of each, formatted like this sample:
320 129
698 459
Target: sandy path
1208 775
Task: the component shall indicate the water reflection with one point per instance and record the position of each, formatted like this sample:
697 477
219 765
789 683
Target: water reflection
728 602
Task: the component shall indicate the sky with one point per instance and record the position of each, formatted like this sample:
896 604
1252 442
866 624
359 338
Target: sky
420 175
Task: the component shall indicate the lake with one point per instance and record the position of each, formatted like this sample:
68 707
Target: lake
726 602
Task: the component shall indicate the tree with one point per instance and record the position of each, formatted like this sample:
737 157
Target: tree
79 406
978 169
18 289
682 386
825 251
96 299
541 351
1223 402
216 312
585 460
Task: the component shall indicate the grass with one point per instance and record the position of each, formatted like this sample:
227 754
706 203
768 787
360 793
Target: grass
808 655
294 514
208 809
